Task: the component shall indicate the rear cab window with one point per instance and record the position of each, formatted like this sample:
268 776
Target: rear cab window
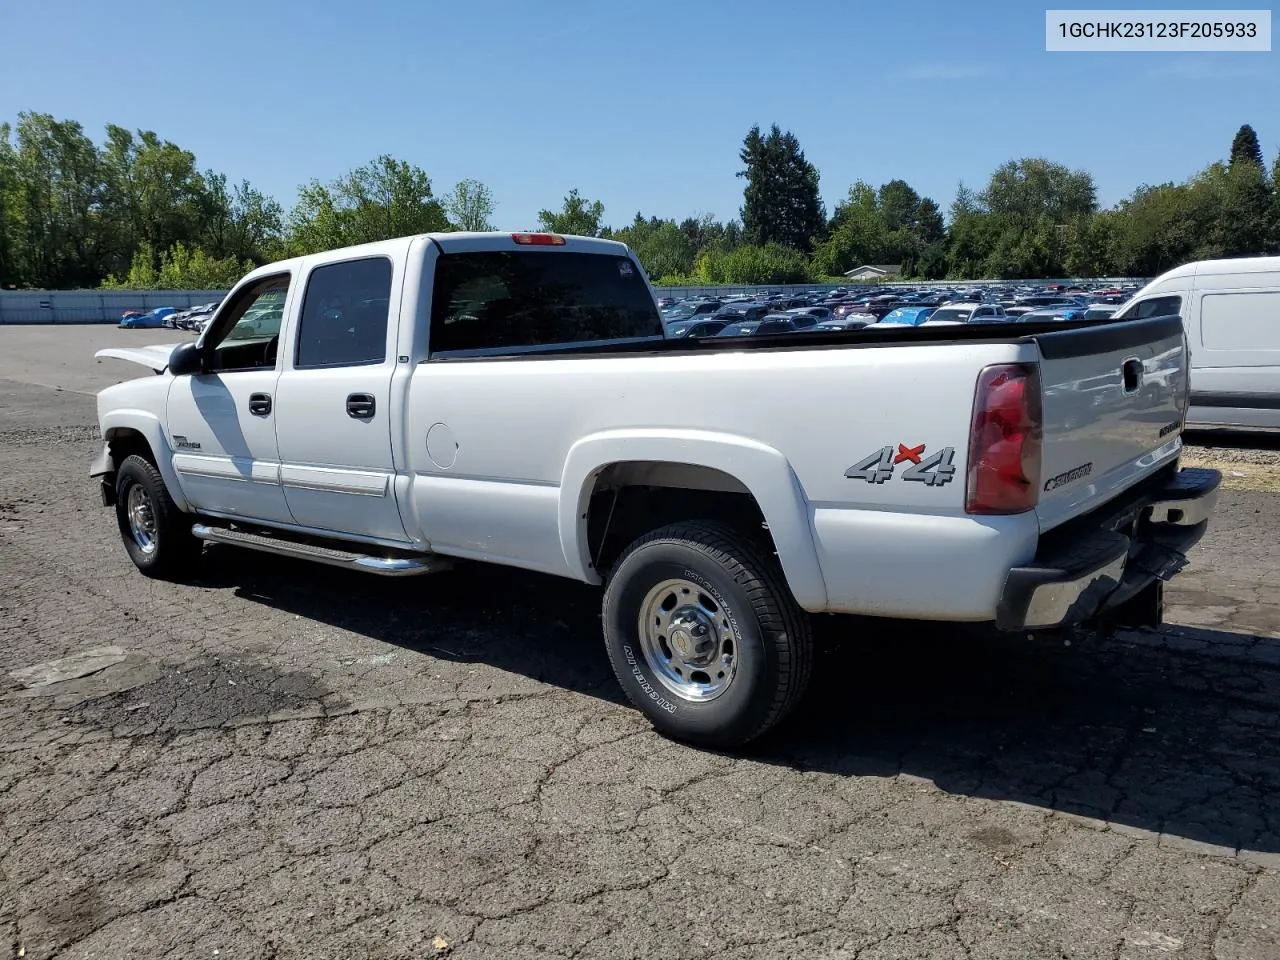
498 302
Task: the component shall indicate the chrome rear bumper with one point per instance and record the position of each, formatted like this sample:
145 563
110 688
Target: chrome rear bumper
1095 571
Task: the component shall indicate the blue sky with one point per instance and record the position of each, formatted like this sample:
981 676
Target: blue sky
640 105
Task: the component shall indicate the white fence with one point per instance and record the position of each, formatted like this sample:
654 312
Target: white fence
93 306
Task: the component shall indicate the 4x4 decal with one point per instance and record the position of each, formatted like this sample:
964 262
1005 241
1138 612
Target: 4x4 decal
934 470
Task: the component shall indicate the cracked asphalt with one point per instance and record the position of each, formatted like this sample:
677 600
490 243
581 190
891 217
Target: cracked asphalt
295 762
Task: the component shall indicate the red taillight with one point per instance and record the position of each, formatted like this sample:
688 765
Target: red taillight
538 239
1004 440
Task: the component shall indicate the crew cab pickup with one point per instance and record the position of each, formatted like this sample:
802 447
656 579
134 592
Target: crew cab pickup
511 398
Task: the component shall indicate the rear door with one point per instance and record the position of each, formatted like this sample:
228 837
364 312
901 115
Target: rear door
333 400
1114 398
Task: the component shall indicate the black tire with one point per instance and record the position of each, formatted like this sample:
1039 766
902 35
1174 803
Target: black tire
173 549
772 649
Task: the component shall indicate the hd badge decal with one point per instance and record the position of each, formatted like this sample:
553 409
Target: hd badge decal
934 469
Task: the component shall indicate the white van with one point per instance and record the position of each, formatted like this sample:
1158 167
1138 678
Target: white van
1230 310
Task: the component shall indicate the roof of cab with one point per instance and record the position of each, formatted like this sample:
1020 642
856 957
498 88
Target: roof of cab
497 239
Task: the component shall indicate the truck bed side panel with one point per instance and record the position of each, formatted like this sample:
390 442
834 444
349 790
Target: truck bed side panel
501 432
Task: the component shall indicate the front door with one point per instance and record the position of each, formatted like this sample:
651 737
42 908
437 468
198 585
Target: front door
221 423
333 402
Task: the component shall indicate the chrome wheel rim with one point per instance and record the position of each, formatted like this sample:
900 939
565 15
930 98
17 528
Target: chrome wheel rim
142 518
688 640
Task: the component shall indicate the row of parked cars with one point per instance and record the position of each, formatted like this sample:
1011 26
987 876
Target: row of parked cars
841 309
192 318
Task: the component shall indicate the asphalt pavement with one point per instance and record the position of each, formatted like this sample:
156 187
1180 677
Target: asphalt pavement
280 760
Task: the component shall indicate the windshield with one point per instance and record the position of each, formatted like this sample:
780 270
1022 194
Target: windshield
954 314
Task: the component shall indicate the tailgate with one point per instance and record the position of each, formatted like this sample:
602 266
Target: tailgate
1114 399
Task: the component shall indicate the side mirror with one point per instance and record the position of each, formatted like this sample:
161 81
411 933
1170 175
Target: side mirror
187 358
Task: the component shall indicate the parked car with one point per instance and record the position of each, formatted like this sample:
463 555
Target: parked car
907 316
817 312
735 312
852 322
1100 311
133 320
694 308
719 496
1231 312
1060 314
968 312
695 328
771 324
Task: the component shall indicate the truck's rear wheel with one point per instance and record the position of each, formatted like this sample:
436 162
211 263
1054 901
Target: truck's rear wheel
704 635
156 534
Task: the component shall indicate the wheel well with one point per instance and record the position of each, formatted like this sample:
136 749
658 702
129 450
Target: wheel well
125 442
630 499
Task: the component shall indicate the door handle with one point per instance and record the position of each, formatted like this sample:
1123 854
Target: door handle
260 404
360 406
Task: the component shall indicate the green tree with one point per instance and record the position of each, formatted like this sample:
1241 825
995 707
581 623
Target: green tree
929 222
381 200
8 208
578 217
971 235
858 234
1028 189
1273 245
180 268
899 205
1089 246
153 194
1245 148
52 202
241 222
893 224
663 249
780 201
752 264
470 206
1246 211
705 230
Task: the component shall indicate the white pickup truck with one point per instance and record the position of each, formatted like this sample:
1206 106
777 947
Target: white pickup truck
512 398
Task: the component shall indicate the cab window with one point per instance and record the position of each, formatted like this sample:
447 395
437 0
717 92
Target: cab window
1152 307
345 314
255 317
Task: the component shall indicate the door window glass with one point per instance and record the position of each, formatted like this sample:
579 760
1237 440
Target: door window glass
345 313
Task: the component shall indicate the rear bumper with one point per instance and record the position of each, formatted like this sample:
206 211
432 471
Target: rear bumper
1083 572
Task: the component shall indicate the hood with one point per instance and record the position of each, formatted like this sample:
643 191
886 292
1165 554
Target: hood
155 357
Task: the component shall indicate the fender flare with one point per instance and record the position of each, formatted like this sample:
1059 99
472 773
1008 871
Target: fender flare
148 424
764 471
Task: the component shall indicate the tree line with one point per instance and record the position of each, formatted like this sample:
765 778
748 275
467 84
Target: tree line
136 211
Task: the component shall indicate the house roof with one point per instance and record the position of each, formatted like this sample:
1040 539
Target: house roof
885 268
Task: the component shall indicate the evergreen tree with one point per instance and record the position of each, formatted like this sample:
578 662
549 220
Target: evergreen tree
780 202
1245 147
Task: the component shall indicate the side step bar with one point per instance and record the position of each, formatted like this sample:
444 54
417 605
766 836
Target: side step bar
402 566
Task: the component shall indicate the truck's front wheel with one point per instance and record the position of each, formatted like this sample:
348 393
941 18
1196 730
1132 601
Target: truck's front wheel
156 534
704 635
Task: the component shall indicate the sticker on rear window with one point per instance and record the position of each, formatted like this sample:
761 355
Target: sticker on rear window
625 268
